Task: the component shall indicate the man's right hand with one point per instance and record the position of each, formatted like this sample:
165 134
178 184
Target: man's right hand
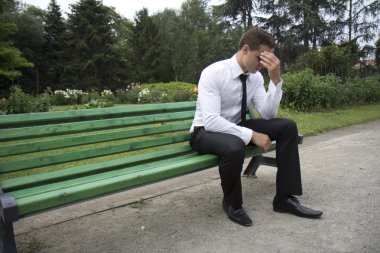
261 140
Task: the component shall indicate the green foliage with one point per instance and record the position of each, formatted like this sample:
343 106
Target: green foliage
330 59
29 40
54 32
239 9
144 44
3 105
377 54
96 46
157 93
304 91
10 57
20 102
91 59
95 103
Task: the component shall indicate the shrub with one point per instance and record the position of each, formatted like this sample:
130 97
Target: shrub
107 95
68 97
129 95
307 92
3 105
41 104
94 103
158 93
20 102
328 60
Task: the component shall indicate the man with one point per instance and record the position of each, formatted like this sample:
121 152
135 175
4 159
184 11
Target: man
219 126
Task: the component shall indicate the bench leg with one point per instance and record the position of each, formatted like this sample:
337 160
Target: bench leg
7 240
255 162
9 214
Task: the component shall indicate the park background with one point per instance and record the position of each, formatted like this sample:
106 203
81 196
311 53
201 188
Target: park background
94 57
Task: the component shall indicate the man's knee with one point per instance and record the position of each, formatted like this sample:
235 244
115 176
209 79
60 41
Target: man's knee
235 150
289 125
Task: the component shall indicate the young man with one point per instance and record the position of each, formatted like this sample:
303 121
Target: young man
219 126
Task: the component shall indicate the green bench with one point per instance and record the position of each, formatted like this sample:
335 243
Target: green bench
52 159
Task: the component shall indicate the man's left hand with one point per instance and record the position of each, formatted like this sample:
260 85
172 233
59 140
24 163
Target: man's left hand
272 63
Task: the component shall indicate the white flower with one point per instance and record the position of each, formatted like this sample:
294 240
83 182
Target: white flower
144 92
106 92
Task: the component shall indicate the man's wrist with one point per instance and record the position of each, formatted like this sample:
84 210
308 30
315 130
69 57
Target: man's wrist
276 81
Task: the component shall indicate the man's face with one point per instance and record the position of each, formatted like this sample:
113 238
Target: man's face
251 58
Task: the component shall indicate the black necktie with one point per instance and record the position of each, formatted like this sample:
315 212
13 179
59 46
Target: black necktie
243 79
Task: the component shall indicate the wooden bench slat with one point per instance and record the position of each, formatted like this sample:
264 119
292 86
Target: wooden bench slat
71 115
34 162
46 130
103 186
19 183
24 193
22 148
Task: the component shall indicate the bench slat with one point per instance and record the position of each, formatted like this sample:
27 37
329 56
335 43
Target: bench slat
103 186
65 174
24 193
22 148
26 119
39 131
34 162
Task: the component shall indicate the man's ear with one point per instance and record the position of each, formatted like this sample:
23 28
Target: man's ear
246 49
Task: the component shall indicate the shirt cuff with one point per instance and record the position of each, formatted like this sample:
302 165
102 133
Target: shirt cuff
246 135
275 88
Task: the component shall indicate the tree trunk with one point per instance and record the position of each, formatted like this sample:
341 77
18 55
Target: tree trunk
350 22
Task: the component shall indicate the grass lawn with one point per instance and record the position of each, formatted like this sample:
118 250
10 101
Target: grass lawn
310 123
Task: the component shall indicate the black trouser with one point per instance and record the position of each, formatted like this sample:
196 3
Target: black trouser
231 148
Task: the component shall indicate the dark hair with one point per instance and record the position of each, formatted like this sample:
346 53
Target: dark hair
255 37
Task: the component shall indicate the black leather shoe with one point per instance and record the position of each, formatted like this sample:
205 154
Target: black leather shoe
292 205
237 215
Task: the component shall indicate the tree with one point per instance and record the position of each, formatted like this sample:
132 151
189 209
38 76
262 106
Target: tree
30 40
193 50
299 25
54 32
330 59
167 23
240 8
11 60
377 54
144 43
363 19
91 60
10 57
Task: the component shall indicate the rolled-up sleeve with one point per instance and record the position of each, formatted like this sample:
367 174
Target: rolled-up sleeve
267 103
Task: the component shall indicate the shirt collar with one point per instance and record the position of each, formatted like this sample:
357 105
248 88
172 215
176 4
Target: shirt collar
235 68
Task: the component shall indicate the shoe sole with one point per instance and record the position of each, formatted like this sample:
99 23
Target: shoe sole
297 214
240 223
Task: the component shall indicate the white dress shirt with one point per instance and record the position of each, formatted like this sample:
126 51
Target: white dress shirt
219 98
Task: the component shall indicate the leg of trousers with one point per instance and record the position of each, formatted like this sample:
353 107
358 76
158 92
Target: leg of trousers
231 148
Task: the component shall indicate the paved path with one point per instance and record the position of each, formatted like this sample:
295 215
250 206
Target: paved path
341 176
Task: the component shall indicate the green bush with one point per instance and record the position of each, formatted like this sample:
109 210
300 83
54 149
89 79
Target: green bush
328 60
20 102
305 91
94 103
157 93
69 97
3 105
